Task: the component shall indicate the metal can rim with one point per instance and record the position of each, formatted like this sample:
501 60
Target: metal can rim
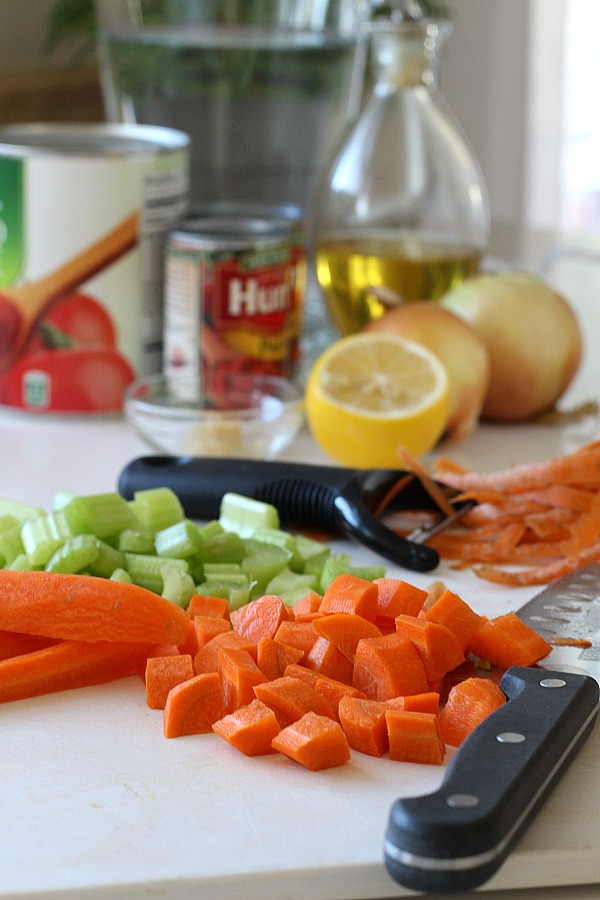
89 139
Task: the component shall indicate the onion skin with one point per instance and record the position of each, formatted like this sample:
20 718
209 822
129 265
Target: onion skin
532 336
458 347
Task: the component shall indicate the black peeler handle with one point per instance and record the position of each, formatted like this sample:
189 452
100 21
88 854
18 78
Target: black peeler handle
306 496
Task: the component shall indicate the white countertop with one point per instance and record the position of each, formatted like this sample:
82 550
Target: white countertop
97 803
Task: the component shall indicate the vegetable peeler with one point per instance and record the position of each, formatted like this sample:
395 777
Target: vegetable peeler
337 499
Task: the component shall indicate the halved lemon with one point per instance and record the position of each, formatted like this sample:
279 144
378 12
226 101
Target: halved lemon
369 394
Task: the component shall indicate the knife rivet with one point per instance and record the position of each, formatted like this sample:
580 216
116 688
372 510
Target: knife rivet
510 737
462 801
553 682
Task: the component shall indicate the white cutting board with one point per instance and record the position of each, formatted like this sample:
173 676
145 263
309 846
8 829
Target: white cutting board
95 802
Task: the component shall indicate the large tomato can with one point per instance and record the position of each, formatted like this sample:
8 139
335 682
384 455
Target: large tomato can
85 210
234 288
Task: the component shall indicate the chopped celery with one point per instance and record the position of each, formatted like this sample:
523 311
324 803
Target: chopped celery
104 515
62 499
21 564
135 540
43 536
280 539
107 560
75 554
145 570
21 511
227 547
210 530
262 565
335 564
243 515
178 541
157 508
121 575
288 584
236 595
178 586
11 544
370 573
312 553
9 522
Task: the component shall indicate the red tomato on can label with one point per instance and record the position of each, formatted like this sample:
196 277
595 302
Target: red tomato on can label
84 320
67 381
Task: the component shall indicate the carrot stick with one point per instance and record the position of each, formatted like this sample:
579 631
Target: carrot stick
193 706
67 665
414 737
250 729
314 741
163 673
85 608
14 644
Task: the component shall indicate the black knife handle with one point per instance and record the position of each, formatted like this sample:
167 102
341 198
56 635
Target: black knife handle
456 838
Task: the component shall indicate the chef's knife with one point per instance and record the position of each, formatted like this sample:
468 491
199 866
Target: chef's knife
456 838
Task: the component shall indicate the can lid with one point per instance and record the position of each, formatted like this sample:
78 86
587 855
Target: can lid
90 139
234 231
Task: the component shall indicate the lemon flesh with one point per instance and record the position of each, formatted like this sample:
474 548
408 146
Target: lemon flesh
370 394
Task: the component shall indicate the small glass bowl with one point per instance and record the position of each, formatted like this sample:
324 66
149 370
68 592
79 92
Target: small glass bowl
260 415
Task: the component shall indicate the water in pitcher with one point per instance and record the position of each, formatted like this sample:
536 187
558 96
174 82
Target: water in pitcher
261 105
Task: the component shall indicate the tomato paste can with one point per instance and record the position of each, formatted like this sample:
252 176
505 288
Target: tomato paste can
235 279
85 210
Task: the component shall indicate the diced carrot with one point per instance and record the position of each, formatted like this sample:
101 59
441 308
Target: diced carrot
66 665
190 644
162 650
452 611
334 691
250 729
303 674
239 675
297 634
207 627
350 594
325 658
290 698
162 674
308 604
364 725
260 618
87 608
193 706
396 597
309 616
437 645
314 741
414 737
14 644
388 667
207 657
386 624
273 656
206 605
508 641
345 631
469 703
428 702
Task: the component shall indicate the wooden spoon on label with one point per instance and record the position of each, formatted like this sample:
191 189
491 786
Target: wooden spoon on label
23 306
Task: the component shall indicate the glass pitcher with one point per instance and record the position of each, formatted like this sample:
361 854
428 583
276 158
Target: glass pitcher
403 214
261 86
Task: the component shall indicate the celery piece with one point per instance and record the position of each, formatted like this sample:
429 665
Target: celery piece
369 573
178 586
236 595
225 578
243 515
210 529
107 560
222 569
157 508
262 565
75 554
145 570
21 564
43 536
315 565
121 575
104 515
8 522
178 541
311 552
62 499
335 564
227 547
21 511
135 540
11 544
288 584
280 539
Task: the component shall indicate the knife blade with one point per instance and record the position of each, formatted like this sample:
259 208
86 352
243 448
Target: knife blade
456 838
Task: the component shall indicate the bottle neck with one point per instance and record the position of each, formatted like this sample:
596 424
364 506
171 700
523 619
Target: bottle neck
407 54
